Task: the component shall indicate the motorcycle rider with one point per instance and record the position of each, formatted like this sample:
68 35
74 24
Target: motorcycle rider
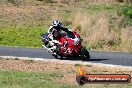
54 32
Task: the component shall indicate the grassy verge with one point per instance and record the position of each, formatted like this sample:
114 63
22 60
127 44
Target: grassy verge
19 79
22 36
39 74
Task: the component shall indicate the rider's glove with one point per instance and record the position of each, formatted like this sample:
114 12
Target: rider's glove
57 42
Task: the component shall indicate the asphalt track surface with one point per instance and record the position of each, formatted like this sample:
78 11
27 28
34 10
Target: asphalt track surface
112 58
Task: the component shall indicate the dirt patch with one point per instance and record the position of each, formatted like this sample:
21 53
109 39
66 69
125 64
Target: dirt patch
30 65
69 70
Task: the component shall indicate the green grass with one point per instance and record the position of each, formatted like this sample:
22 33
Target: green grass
18 79
102 7
78 64
22 36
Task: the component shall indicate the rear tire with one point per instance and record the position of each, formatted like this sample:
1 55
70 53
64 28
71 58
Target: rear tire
84 54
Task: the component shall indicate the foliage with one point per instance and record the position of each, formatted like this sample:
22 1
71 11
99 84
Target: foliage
127 12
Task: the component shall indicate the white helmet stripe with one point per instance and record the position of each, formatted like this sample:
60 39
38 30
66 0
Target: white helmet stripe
55 23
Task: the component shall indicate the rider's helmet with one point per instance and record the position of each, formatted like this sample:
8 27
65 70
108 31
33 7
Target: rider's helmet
56 24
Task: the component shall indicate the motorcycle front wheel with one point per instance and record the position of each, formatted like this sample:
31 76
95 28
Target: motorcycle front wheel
59 56
84 54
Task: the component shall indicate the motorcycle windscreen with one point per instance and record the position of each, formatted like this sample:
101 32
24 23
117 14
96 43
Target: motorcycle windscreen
45 35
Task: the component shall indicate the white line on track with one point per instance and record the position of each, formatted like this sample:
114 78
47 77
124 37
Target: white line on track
69 62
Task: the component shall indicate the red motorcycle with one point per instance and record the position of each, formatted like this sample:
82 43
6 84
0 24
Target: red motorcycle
71 46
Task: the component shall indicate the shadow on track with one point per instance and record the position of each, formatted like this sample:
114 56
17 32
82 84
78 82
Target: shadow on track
79 59
97 59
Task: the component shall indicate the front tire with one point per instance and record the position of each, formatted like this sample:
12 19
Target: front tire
59 56
84 54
